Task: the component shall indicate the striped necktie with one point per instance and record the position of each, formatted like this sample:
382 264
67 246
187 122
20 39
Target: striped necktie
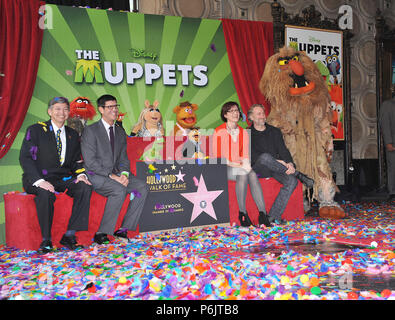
59 144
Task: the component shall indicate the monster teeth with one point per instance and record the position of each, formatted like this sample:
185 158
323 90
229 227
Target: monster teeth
296 86
306 83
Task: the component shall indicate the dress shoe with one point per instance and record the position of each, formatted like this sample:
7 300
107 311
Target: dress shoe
245 220
122 233
45 247
279 222
70 242
101 238
264 219
308 182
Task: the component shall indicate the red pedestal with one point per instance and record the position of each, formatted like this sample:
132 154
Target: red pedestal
270 188
23 230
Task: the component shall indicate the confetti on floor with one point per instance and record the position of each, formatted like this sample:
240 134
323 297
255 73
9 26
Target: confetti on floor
311 259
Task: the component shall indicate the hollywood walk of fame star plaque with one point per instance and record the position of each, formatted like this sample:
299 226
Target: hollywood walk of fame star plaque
183 195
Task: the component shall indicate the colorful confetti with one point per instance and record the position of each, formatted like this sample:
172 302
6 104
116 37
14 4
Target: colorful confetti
219 263
28 135
195 181
33 152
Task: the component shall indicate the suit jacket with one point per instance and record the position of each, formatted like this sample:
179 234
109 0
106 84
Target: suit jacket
39 158
99 161
387 121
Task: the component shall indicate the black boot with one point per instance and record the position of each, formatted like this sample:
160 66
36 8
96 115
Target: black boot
244 219
264 219
308 182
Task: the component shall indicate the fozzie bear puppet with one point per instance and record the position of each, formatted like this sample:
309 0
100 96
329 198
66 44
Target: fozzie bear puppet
185 118
300 107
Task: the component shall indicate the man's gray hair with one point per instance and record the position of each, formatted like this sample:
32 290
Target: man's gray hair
58 100
251 110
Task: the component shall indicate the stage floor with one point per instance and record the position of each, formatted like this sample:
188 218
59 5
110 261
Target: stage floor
310 259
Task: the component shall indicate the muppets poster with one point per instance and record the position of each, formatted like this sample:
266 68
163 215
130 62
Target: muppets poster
179 65
325 48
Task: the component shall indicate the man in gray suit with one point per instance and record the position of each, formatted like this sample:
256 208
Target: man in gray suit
387 123
104 149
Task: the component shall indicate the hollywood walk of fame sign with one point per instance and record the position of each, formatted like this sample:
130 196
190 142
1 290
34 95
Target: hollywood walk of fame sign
183 195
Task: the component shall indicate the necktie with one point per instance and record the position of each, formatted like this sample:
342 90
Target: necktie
112 139
59 144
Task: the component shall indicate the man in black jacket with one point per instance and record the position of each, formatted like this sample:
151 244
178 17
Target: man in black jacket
271 158
50 157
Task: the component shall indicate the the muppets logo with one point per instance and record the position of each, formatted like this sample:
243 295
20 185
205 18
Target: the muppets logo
90 69
311 48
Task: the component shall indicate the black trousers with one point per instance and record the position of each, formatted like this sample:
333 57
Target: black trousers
81 194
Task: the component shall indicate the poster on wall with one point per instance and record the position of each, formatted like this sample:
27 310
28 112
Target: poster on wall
183 195
325 48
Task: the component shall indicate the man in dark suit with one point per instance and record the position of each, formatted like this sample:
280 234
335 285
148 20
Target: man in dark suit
50 157
271 158
104 149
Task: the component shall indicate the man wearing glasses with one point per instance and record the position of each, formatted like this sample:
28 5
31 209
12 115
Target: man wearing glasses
104 150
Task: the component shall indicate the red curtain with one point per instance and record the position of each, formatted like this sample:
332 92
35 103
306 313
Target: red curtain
20 48
249 45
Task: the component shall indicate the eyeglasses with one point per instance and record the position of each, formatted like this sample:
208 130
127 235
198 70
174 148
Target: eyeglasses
233 111
114 106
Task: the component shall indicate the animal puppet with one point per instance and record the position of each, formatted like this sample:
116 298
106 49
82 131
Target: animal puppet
300 107
81 110
185 118
150 122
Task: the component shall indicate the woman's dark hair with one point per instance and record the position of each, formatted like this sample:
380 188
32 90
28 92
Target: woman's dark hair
226 107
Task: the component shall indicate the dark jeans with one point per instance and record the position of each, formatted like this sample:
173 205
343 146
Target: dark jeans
277 171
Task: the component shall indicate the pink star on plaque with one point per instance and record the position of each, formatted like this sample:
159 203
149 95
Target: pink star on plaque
202 200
